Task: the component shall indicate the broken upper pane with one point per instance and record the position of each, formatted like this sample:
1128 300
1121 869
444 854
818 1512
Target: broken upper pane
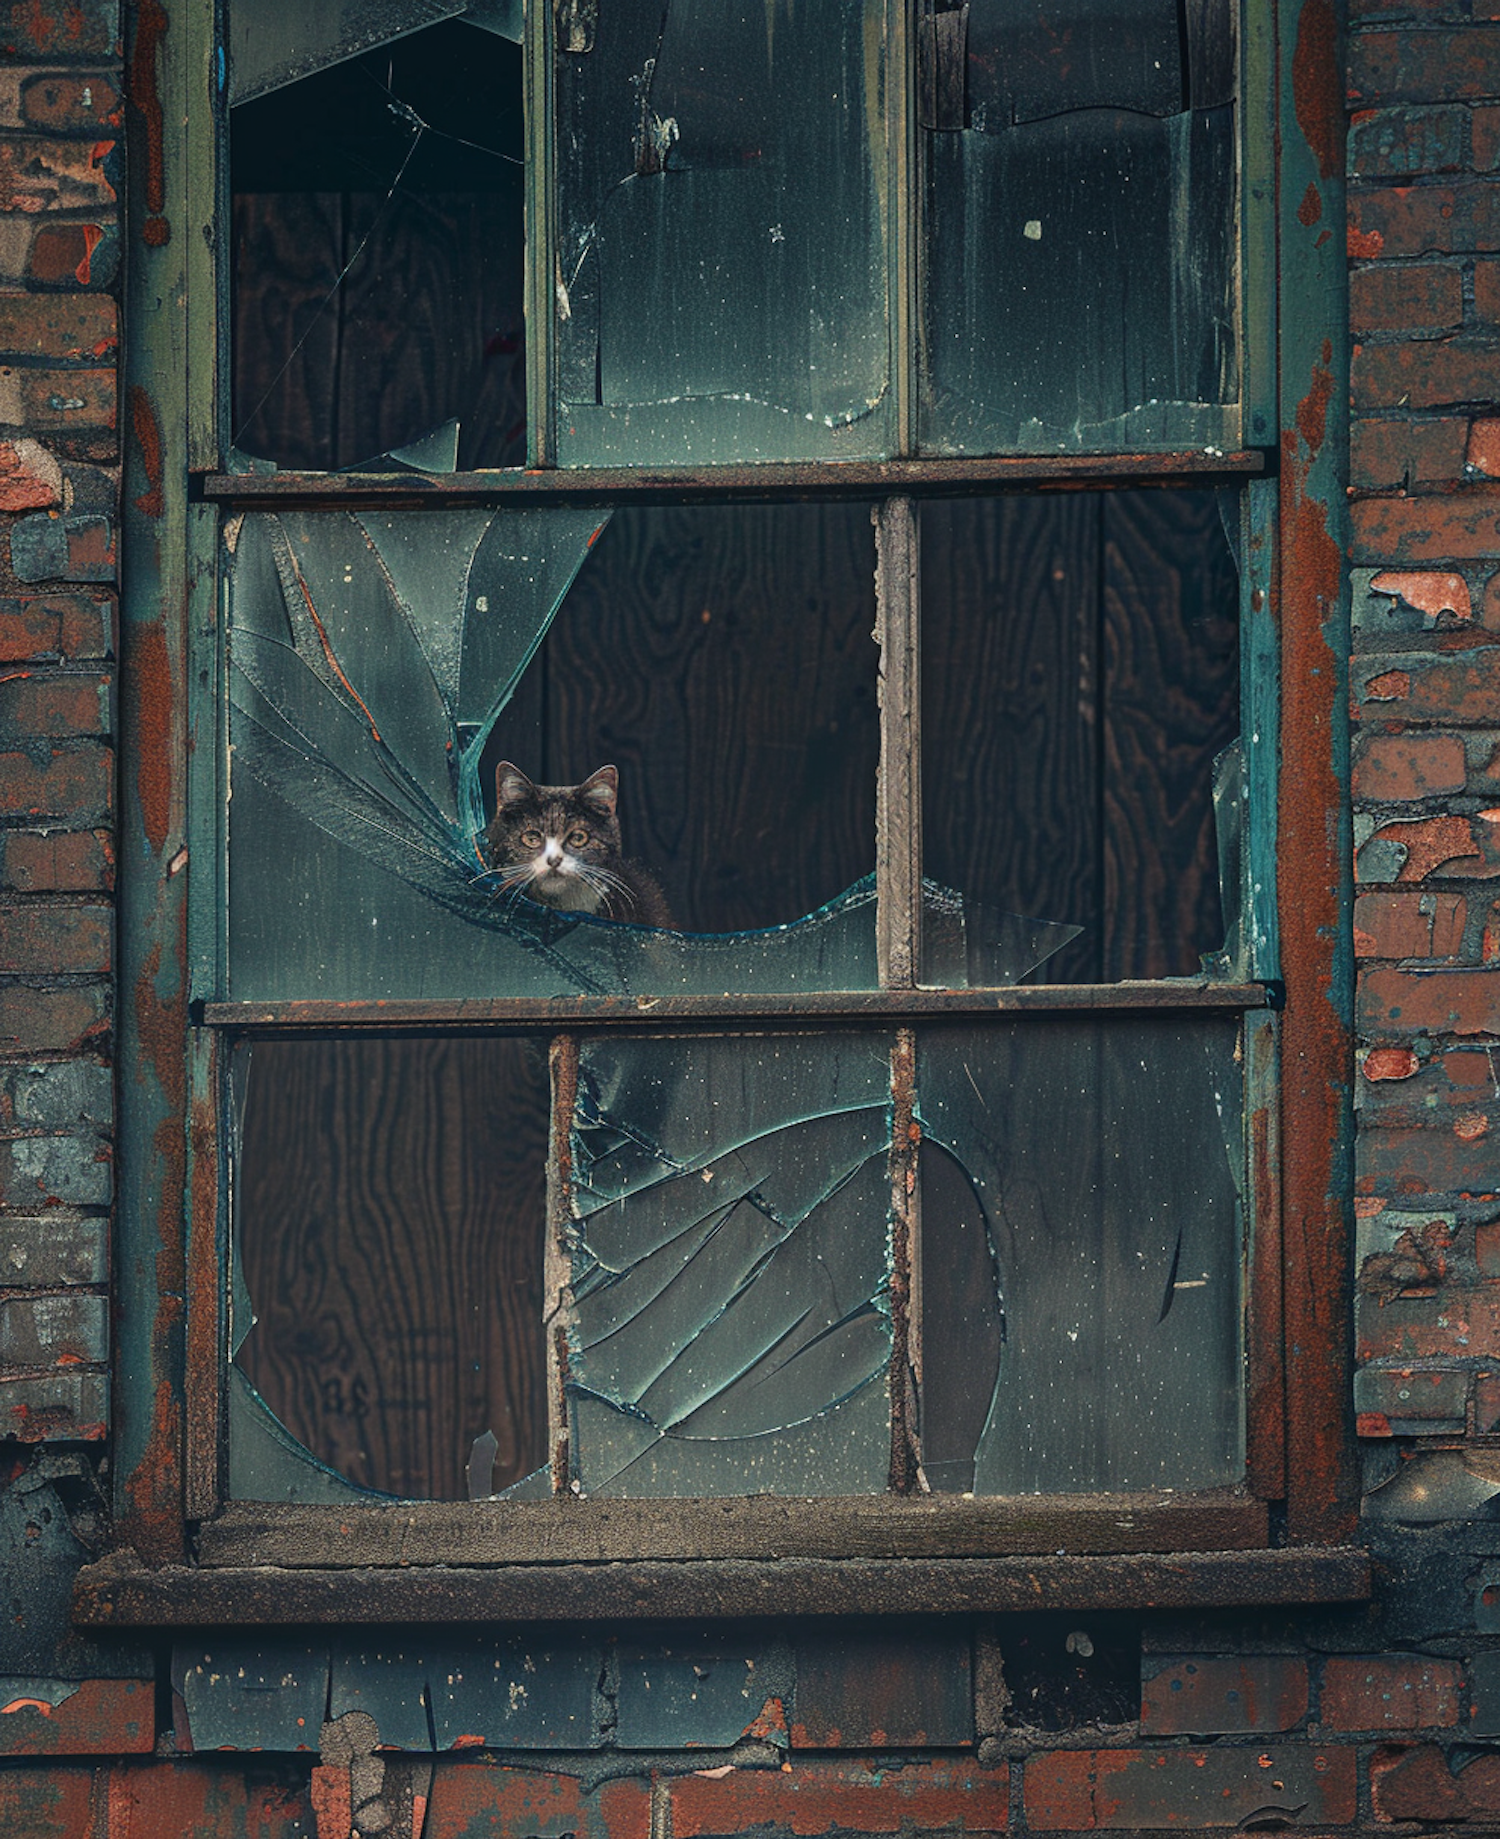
1079 268
722 223
1082 1242
378 246
1080 679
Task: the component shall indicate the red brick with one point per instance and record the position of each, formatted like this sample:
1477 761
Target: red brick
1399 143
1385 1692
39 175
1428 845
1202 1695
52 1021
472 1798
1401 767
68 625
1417 1782
70 102
1391 297
1484 138
1456 63
1429 592
151 1800
47 1803
1455 688
1487 291
1457 219
1401 1090
55 938
73 255
1075 1790
1393 1002
103 1717
1410 925
1427 529
73 784
58 401
1452 1324
57 862
69 1406
1438 1158
1406 453
50 704
76 328
1424 373
67 29
813 1797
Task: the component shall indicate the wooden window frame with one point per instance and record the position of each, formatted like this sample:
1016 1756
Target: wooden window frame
1280 1539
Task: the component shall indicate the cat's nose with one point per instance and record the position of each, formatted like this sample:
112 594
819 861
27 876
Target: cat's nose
554 855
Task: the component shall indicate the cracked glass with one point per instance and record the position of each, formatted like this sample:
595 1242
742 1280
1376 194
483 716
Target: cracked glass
1079 265
722 224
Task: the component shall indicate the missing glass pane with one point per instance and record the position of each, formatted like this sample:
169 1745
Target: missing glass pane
389 1208
722 230
378 248
1080 680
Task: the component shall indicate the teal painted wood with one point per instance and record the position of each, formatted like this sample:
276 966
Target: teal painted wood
1258 225
541 241
1260 731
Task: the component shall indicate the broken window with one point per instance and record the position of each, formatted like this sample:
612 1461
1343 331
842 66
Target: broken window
899 1147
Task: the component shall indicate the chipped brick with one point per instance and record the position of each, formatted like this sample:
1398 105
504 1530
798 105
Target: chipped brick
1205 1695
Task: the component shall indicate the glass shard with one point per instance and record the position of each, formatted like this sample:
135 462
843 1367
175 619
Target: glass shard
729 1329
1098 1157
722 227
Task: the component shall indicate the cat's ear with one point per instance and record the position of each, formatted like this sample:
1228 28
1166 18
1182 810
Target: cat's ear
512 787
601 791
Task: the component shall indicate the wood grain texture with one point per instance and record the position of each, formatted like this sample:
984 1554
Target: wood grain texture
390 1204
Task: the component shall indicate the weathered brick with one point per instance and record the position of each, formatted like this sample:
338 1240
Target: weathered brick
1458 219
57 861
1386 598
1204 1695
68 255
1395 143
877 1688
101 1717
55 1171
55 625
469 1798
47 1803
50 1250
1487 291
71 1020
1417 1782
1424 373
38 176
815 1797
56 1330
1397 296
1486 1404
70 102
1075 1790
1402 767
1403 1401
62 1406
1422 687
1424 66
30 477
1406 454
1455 1323
1410 849
148 1798
54 34
1390 1692
58 401
1393 1001
53 704
1434 528
76 783
63 1095
1439 1158
1482 450
71 328
1484 138
1410 925
1487 1248
54 548
55 938
1397 1087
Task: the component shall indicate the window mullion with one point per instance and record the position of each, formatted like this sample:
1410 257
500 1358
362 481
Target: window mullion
898 816
541 237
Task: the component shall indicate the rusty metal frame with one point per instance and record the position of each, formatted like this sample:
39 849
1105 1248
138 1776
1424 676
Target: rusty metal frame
170 1239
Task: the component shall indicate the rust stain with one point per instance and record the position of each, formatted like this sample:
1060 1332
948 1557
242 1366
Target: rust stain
1312 411
328 651
148 686
147 431
1311 207
150 29
1364 245
1316 88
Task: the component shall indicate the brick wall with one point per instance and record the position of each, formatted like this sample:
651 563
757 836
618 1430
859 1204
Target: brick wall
1380 1718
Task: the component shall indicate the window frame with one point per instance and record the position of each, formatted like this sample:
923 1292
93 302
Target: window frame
827 1555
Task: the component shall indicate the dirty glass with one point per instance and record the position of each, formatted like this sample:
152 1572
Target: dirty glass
1081 1243
377 256
1080 682
389 1207
729 1324
1079 261
722 222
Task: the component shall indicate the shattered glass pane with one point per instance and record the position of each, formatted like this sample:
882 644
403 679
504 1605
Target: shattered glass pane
1080 680
1079 284
389 1208
1081 1215
722 224
378 240
730 1329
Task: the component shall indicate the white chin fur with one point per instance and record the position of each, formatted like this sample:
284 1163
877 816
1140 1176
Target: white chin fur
570 893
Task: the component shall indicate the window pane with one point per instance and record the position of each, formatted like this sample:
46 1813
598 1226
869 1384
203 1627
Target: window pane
1081 1234
729 1329
389 1209
1079 683
378 249
1079 268
722 235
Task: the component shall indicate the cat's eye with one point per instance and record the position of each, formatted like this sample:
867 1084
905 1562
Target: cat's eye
577 838
531 839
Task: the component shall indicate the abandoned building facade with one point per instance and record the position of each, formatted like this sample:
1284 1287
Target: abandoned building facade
989 1319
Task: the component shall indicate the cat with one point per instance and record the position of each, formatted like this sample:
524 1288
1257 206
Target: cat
560 845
